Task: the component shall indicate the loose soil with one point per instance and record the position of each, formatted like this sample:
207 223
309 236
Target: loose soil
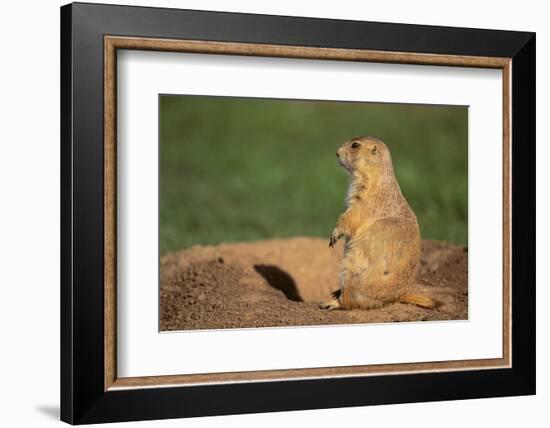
280 283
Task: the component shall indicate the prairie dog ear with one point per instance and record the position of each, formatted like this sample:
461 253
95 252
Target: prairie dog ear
375 154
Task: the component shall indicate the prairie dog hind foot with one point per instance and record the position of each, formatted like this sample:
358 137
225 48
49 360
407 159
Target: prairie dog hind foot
331 306
334 303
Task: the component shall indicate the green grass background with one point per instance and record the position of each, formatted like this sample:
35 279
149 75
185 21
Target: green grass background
238 169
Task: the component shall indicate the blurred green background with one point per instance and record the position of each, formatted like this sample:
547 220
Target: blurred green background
241 169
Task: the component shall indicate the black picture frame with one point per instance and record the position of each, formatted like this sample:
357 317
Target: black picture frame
83 398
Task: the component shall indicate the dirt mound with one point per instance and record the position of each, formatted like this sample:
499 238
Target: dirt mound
280 282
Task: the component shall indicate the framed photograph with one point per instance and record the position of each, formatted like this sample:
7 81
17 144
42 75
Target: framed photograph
266 213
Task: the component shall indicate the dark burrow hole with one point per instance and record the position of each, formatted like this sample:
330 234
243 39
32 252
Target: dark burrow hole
280 280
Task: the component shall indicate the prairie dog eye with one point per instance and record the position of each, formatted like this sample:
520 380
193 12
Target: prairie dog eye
355 145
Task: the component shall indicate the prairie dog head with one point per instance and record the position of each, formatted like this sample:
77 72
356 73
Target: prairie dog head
366 154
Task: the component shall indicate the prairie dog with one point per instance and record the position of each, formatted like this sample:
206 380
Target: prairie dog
382 250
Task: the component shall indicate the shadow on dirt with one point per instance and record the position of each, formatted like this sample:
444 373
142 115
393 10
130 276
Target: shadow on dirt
280 280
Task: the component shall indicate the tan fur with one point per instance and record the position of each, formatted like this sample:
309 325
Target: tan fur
382 250
418 300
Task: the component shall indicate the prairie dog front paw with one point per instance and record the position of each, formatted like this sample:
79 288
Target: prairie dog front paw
336 235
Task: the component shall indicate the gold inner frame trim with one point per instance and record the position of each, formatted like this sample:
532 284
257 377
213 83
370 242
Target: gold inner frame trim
113 43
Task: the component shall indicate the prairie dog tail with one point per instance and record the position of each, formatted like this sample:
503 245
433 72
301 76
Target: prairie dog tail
418 300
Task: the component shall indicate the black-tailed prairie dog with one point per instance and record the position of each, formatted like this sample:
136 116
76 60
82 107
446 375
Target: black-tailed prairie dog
382 249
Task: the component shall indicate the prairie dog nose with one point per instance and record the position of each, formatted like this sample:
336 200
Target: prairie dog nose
337 154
